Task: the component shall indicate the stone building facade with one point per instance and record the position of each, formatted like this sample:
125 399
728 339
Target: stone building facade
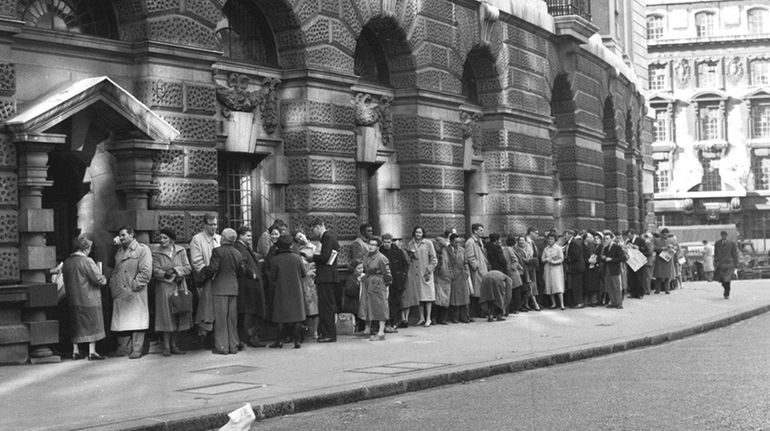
709 75
397 112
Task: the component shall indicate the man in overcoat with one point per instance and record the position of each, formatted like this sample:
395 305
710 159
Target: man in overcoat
725 262
326 281
201 246
575 266
128 285
478 264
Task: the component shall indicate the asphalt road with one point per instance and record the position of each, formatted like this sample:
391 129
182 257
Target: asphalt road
715 381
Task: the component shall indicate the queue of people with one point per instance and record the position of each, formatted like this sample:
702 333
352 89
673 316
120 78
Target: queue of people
292 285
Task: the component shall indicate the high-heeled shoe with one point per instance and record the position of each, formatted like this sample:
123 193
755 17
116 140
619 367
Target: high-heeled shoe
76 356
95 357
276 345
421 322
428 323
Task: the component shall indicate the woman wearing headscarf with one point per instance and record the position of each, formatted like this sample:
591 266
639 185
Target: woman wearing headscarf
170 266
83 281
420 289
287 271
460 295
553 273
513 269
373 306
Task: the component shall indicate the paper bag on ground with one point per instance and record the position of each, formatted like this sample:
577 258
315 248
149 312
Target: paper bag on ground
240 420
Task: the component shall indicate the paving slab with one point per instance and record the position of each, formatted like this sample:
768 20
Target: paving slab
195 391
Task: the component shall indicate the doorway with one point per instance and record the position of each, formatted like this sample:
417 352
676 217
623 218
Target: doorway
66 169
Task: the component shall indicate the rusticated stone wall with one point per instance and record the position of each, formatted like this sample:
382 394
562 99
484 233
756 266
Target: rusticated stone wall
9 201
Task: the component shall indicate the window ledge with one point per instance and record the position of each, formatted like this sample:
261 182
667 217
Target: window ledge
758 143
713 145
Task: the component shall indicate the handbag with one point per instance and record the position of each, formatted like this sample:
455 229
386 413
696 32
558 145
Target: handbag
181 301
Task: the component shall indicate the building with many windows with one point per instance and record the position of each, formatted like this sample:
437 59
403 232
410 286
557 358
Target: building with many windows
438 113
709 77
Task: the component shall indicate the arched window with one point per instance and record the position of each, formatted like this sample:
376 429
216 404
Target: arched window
654 27
469 89
370 59
704 24
94 17
756 19
246 35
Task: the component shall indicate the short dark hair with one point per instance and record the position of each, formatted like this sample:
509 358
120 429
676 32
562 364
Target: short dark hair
723 233
531 229
362 229
376 238
510 240
243 230
169 233
317 222
447 233
209 217
415 230
129 230
494 236
476 226
551 234
387 236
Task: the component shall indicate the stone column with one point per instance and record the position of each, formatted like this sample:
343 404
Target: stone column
35 257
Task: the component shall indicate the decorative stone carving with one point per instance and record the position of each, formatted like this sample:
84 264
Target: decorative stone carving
488 15
682 70
368 113
470 124
236 97
735 69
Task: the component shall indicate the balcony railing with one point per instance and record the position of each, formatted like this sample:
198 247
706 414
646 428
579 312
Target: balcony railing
581 8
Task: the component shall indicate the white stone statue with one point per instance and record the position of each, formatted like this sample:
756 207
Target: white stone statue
734 171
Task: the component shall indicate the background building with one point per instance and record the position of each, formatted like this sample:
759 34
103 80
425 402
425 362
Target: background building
708 77
396 112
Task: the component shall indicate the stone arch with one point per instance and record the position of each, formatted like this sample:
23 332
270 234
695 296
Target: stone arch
481 79
383 36
91 17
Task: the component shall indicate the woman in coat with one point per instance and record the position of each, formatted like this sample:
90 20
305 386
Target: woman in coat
553 273
665 256
251 294
170 266
420 289
287 271
529 265
373 306
513 269
83 280
442 276
305 249
460 295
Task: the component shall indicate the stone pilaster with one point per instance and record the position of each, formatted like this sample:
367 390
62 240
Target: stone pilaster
615 180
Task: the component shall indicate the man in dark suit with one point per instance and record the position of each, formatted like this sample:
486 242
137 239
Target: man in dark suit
575 265
725 261
636 279
326 281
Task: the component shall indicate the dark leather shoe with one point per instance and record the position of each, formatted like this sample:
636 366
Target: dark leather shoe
76 356
276 345
218 352
327 340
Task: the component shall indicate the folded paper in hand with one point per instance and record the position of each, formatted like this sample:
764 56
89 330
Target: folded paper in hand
240 420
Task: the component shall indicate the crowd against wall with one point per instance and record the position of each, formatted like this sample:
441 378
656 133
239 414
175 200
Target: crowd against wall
292 288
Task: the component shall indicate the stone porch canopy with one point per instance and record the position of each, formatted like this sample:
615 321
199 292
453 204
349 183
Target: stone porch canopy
126 116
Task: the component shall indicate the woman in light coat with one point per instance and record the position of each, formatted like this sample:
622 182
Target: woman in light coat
419 282
553 273
170 266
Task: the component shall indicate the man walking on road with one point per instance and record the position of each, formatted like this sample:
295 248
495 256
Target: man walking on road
326 281
725 261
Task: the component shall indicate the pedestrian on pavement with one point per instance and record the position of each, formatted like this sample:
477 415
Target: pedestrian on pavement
478 264
592 278
612 256
274 234
494 291
513 269
663 270
460 294
226 266
725 262
708 260
128 285
359 248
287 270
201 246
399 267
636 279
83 281
267 238
553 273
251 292
326 281
528 274
442 276
373 307
305 249
419 282
170 266
575 267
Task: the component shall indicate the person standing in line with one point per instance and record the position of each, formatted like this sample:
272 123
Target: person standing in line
201 246
575 267
360 247
553 274
514 270
443 277
592 278
287 270
326 281
535 243
478 264
305 249
636 279
267 239
227 264
725 262
399 268
419 282
83 279
373 307
663 269
251 292
170 266
460 295
528 274
613 257
708 260
128 285
649 240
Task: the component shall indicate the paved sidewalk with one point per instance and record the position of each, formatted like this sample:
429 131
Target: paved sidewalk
195 391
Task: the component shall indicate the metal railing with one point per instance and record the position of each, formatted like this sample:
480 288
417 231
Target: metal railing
581 8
